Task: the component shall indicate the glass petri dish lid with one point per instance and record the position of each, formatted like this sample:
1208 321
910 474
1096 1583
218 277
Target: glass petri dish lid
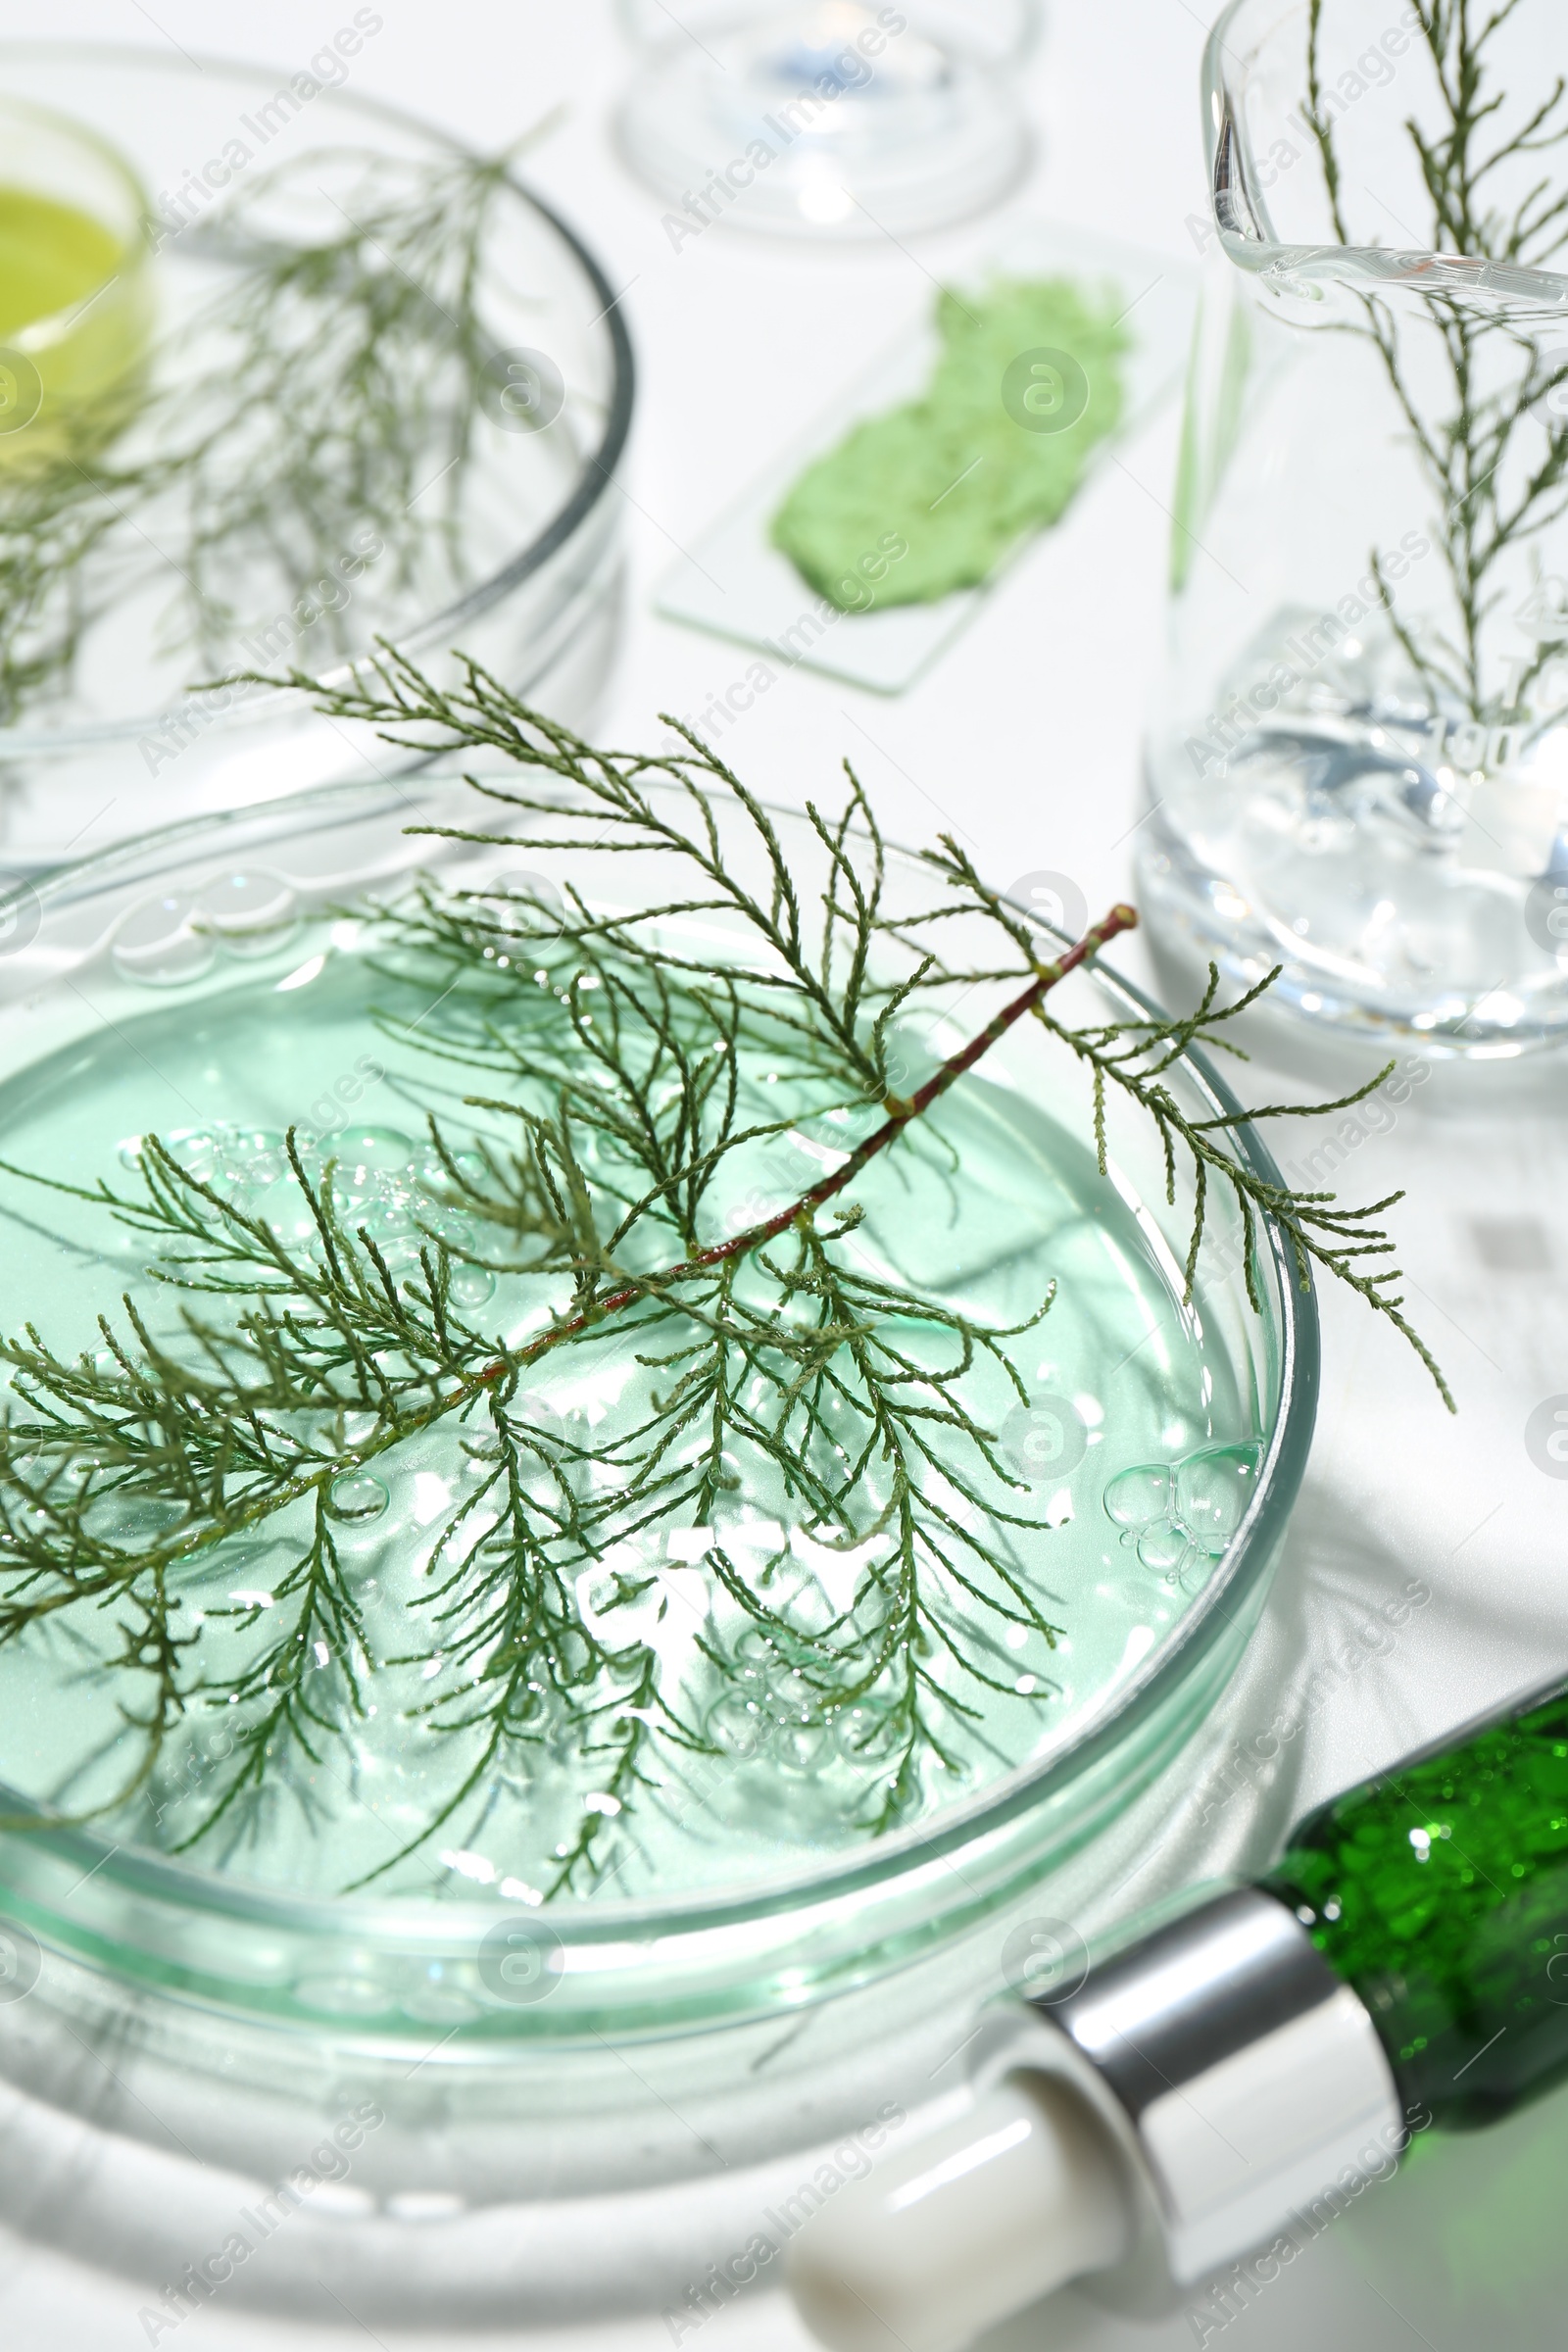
227 982
369 384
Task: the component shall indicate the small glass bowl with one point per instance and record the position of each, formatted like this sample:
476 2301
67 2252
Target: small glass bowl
76 360
133 741
693 2059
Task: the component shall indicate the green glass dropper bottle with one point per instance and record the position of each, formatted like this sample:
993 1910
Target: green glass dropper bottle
1189 2100
1439 1893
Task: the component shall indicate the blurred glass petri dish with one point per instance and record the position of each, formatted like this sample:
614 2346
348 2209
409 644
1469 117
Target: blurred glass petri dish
486 514
827 118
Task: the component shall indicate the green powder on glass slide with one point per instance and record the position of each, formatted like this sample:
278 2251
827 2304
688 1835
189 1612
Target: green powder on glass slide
983 457
221 1079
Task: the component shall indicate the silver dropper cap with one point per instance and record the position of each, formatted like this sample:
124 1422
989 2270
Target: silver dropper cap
1159 2123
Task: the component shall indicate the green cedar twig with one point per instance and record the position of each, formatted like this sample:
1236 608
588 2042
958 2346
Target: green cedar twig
615 1050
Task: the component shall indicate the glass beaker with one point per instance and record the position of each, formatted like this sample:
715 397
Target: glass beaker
826 118
1360 769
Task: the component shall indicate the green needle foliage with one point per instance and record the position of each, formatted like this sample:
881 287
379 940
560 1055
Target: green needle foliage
1478 441
603 1072
293 422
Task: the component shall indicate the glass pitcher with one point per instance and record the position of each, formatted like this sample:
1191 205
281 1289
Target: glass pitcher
1359 770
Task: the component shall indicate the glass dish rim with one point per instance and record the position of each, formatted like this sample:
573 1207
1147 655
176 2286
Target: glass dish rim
451 1923
597 468
1032 13
1248 236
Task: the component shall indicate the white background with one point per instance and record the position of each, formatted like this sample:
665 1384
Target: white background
1025 740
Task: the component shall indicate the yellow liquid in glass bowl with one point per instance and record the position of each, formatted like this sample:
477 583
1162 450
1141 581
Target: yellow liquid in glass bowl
75 313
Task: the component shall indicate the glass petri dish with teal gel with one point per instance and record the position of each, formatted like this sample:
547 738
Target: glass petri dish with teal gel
467 1594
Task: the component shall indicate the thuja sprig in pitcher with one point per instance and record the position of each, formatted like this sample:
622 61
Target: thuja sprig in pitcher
1495 490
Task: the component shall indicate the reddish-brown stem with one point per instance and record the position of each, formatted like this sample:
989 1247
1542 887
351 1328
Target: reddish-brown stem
1120 919
472 1384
